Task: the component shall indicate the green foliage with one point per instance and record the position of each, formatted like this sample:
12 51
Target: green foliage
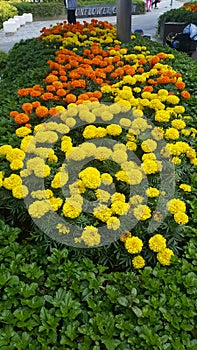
41 10
3 60
6 11
177 15
51 301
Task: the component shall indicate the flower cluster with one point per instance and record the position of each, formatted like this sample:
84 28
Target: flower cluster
96 168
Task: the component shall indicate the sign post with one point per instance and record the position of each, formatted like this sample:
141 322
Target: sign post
124 20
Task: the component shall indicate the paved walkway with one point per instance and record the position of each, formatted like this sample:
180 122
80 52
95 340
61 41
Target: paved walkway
147 22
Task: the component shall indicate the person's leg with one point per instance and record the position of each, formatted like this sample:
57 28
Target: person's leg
72 16
69 18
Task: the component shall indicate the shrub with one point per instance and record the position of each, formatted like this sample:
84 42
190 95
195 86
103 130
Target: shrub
6 11
40 10
177 15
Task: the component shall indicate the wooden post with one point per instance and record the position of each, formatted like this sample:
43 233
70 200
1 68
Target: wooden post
124 20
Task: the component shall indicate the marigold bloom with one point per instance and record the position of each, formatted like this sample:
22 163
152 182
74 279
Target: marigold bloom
157 243
133 245
164 257
90 236
138 262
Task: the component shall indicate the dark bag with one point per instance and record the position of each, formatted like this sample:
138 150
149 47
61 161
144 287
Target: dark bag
181 42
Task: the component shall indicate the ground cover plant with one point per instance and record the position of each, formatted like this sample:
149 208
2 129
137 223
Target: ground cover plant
57 110
186 14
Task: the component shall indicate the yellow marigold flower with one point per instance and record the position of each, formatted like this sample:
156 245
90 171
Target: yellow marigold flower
142 212
164 257
178 124
16 164
150 166
23 131
148 156
119 156
134 245
138 262
12 181
193 161
125 122
42 170
186 188
132 146
152 192
5 149
76 154
102 212
60 179
181 218
157 243
118 197
42 194
106 116
157 133
62 228
191 153
140 123
135 200
119 207
106 89
55 203
133 177
137 113
106 179
90 177
149 145
176 205
102 196
102 153
173 99
39 208
20 191
15 153
114 130
113 223
101 132
70 211
176 160
162 116
114 108
90 132
172 134
90 236
179 109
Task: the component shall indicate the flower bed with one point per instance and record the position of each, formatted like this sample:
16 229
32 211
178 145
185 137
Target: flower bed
138 102
100 149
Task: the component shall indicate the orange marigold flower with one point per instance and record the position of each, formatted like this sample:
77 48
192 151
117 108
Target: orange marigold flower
162 55
53 111
50 88
152 81
50 78
35 93
21 118
13 114
97 94
142 61
24 92
27 107
180 85
140 70
61 92
42 111
28 126
70 98
185 94
154 60
147 89
35 104
57 84
47 96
